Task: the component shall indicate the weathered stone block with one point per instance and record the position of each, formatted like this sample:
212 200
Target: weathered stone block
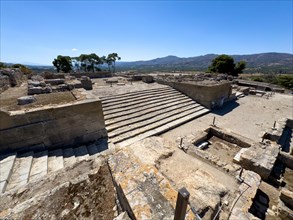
284 212
26 100
4 83
15 76
34 90
86 83
148 79
55 81
259 158
287 197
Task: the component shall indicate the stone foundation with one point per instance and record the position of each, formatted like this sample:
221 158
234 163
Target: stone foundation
52 126
208 93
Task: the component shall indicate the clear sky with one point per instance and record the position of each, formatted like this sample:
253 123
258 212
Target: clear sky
38 31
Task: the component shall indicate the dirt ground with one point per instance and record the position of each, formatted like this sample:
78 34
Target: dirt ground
101 88
248 116
223 149
8 99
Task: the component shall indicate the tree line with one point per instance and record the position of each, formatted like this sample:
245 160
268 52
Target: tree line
85 62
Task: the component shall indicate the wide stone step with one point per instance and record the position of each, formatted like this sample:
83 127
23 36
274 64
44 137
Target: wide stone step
161 129
148 117
107 102
140 107
155 119
6 167
158 107
68 157
81 153
39 166
134 93
142 100
160 121
55 160
21 170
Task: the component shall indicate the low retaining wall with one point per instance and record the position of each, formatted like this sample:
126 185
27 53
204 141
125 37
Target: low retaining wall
92 75
52 126
210 96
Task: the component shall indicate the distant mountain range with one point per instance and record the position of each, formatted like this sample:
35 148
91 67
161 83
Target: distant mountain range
263 62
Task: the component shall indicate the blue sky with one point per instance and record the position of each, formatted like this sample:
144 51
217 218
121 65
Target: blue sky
38 31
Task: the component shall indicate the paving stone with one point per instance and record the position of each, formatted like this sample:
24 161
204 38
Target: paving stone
133 117
3 185
21 170
140 101
39 165
117 113
6 166
68 157
135 92
144 116
55 160
135 97
152 123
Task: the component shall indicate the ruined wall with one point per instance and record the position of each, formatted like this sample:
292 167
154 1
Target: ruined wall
101 74
210 96
9 78
52 126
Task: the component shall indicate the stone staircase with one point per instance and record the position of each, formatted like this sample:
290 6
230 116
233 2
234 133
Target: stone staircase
133 116
17 170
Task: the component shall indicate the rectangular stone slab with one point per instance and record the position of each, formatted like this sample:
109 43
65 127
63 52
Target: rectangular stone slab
39 166
55 160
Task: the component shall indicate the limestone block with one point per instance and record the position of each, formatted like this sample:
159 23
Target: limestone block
15 76
148 79
4 83
244 202
34 83
34 90
259 158
287 159
86 83
284 212
136 77
47 89
287 197
26 100
55 81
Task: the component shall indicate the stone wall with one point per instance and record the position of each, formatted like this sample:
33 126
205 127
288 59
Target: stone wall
9 78
52 126
209 95
92 75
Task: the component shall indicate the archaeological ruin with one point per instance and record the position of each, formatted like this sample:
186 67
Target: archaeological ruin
151 146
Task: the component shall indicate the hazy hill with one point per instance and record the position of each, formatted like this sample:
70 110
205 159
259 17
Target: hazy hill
263 62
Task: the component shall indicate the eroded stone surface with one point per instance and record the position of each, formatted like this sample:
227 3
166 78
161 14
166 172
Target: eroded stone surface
260 158
83 191
245 195
149 194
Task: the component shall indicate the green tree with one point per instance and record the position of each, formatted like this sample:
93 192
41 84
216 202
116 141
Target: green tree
63 63
89 61
240 66
111 60
225 64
